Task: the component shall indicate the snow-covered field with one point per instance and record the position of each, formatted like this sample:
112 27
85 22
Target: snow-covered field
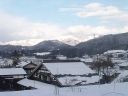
116 89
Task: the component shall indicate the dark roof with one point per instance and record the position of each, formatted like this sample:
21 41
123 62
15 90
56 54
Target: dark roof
30 65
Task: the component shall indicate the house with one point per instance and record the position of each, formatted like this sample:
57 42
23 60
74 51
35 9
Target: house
12 73
9 78
64 73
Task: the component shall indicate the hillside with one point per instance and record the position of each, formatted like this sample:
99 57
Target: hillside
104 43
93 46
50 45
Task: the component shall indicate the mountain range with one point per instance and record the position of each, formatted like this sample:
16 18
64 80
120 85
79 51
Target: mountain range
94 46
104 43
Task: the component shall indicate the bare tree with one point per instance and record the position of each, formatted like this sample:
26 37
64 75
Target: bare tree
102 65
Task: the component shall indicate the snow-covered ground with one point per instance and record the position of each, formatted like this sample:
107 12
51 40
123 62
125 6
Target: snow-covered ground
5 62
123 75
116 89
115 51
118 60
42 89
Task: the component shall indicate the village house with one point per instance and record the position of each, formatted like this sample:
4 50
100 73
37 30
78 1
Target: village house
64 73
29 67
10 76
12 73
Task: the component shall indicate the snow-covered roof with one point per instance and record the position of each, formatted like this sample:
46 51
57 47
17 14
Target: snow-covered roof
73 68
87 60
42 53
73 80
12 71
34 83
114 51
22 64
61 57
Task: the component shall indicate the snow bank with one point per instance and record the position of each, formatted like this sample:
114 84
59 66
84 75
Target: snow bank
119 89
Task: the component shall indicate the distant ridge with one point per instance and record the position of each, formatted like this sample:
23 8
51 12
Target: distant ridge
104 43
91 47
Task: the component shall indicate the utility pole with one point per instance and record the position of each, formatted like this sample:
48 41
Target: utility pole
94 36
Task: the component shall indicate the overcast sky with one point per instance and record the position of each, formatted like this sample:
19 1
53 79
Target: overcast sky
27 22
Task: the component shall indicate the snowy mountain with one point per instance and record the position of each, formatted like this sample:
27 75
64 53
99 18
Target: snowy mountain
90 47
104 43
50 45
70 41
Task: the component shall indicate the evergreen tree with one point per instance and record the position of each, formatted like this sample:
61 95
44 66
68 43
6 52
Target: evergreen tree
15 57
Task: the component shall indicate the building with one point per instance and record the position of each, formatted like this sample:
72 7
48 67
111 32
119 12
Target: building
64 73
9 78
12 73
29 67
